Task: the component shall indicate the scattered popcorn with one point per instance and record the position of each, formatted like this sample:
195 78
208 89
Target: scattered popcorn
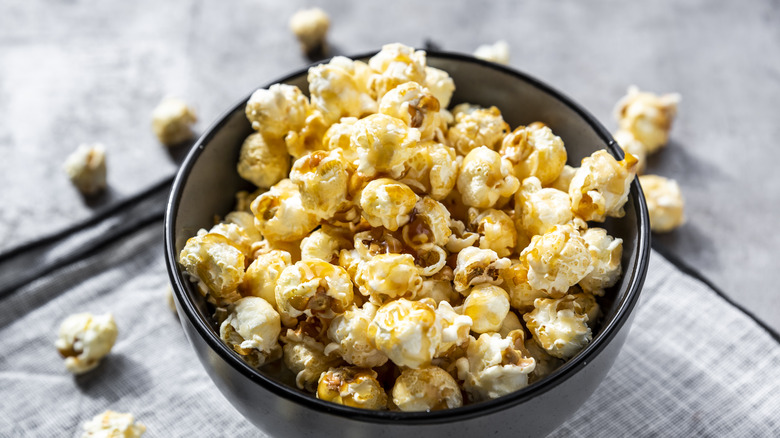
252 329
112 424
647 116
310 26
665 202
534 150
172 121
428 388
84 339
497 52
86 168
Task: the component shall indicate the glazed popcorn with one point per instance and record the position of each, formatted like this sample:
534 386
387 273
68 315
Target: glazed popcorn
310 27
172 121
86 168
647 116
400 256
112 424
665 203
85 339
497 52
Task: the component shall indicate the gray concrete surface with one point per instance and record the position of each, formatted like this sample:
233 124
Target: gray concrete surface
85 71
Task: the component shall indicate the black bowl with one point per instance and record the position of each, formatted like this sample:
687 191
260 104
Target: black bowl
207 182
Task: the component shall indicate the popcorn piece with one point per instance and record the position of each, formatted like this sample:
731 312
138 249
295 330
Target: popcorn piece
439 289
325 243
664 202
600 186
388 276
261 276
243 240
338 137
322 179
497 52
280 215
541 209
475 126
340 89
484 178
475 266
521 294
559 326
112 424
534 150
263 161
349 333
383 144
455 327
217 262
429 224
388 203
313 288
85 339
408 332
428 388
309 138
495 366
460 237
306 358
396 64
605 252
252 330
647 116
440 85
413 104
487 306
630 145
277 110
172 121
564 179
497 231
557 260
350 386
431 168
310 27
86 168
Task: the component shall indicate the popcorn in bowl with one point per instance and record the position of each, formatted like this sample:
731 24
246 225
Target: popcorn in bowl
407 248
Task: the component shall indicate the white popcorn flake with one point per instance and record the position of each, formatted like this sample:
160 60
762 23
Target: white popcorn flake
314 288
340 89
310 26
408 332
497 52
351 386
647 116
665 202
540 209
560 326
427 388
388 276
172 121
112 424
440 84
495 365
557 260
534 150
475 266
263 161
485 178
277 110
85 339
476 126
600 186
86 168
387 203
396 64
252 330
349 333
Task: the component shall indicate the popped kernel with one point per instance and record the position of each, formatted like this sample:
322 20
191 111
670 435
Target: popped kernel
310 26
388 276
475 266
665 202
475 127
432 168
484 178
339 89
534 150
309 138
280 215
313 288
322 179
86 168
460 238
236 234
349 335
540 209
495 365
252 330
564 179
408 332
217 262
112 424
306 358
429 224
455 327
325 243
262 274
600 186
521 293
497 52
396 64
605 252
497 230
510 323
559 326
647 116
440 85
387 203
428 388
351 386
338 137
383 144
172 121
85 339
487 305
277 110
557 260
263 161
413 104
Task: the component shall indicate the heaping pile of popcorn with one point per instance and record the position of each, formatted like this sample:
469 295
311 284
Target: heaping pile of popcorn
398 255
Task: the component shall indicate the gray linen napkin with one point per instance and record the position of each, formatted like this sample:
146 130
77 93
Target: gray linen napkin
693 364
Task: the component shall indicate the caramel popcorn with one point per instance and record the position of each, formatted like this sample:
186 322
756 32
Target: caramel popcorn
350 386
263 161
557 260
534 150
487 306
387 203
396 64
322 179
605 252
497 52
310 27
280 215
475 266
262 274
497 231
252 329
388 276
314 288
277 110
408 332
172 121
440 85
559 326
415 105
600 186
112 424
485 177
382 144
86 168
647 116
85 339
349 333
217 262
428 388
340 89
475 127
540 209
665 203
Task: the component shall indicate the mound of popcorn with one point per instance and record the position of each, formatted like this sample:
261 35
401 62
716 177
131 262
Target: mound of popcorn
400 255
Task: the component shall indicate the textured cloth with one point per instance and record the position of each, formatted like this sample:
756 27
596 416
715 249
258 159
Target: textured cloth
693 364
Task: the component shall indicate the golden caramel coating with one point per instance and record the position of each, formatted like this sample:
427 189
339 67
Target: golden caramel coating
243 238
429 224
325 243
605 252
440 85
383 144
665 202
306 358
338 137
647 116
85 339
415 105
564 179
352 386
521 293
497 230
86 168
349 335
559 326
217 262
408 332
388 276
534 150
484 178
322 179
460 238
314 288
263 161
261 276
252 330
475 126
427 388
600 186
487 305
309 138
277 110
387 203
396 64
510 323
557 260
475 266
280 215
540 209
340 89
432 168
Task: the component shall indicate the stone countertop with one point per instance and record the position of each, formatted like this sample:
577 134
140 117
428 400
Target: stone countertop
91 71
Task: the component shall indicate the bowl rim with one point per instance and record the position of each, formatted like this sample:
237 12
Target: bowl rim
607 333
